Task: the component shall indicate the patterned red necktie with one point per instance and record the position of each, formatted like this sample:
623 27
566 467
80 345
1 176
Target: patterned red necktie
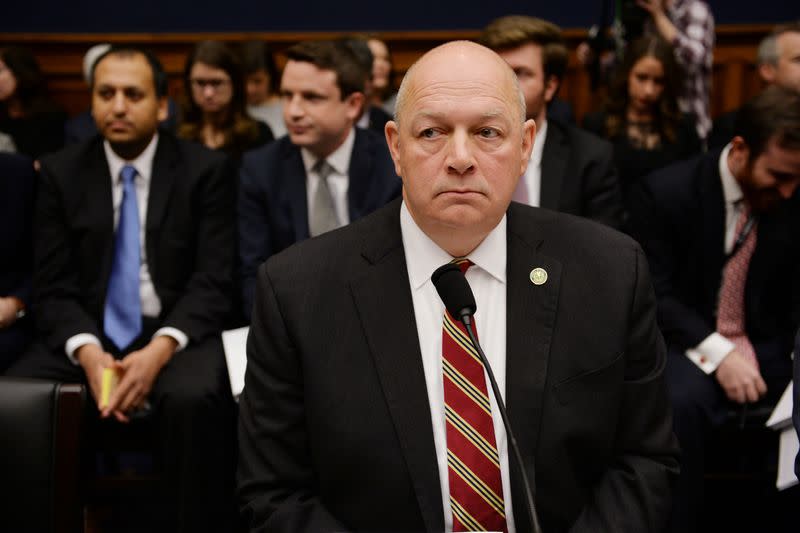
730 313
476 491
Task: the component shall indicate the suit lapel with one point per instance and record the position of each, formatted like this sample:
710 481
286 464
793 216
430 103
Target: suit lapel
530 317
100 204
554 163
162 178
713 228
297 202
395 348
360 176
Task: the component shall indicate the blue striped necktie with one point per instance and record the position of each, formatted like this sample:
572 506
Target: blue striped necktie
122 318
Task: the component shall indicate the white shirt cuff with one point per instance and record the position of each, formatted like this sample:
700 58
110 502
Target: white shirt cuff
179 336
710 352
75 342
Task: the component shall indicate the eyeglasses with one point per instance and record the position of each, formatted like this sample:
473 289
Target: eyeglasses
214 83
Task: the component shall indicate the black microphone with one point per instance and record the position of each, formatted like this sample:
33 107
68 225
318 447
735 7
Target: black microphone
455 292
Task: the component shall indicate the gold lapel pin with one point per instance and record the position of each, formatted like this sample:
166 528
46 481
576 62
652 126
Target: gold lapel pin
538 276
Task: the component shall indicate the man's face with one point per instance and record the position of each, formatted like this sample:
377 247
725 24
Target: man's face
772 177
124 102
787 71
316 116
460 146
257 84
526 62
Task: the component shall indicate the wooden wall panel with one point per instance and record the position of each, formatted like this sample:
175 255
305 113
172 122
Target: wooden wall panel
734 75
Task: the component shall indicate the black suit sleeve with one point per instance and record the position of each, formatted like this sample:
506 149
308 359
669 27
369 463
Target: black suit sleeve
634 494
205 301
652 226
57 287
275 475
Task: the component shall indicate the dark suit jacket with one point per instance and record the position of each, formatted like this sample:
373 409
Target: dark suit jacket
17 181
578 175
796 405
679 217
189 238
723 131
335 428
273 207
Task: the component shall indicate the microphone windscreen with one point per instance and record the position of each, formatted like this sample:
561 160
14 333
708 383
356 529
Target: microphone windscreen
454 290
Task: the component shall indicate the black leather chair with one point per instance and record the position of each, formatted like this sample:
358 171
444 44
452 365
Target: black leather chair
40 430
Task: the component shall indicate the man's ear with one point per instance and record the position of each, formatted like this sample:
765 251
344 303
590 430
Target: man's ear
551 87
767 73
392 132
528 138
355 105
163 108
738 156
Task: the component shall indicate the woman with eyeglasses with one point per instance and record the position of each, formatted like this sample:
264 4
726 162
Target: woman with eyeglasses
213 110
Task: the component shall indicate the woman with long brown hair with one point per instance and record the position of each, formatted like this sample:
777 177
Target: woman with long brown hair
214 104
641 116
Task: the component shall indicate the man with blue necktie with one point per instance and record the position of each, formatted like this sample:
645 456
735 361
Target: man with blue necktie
133 272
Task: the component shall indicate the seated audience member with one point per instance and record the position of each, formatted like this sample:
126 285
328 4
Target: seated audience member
34 122
383 92
133 241
687 25
262 83
722 236
372 117
82 126
570 170
778 63
641 116
325 173
365 407
17 181
213 110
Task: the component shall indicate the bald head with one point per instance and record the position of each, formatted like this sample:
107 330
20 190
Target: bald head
460 61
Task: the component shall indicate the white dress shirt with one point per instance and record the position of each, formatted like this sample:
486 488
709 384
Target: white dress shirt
338 180
487 277
533 172
713 349
151 304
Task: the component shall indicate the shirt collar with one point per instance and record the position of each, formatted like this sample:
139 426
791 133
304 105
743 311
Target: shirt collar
538 144
730 187
339 159
423 256
143 163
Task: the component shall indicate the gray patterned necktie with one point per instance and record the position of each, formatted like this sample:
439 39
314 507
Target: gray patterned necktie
322 215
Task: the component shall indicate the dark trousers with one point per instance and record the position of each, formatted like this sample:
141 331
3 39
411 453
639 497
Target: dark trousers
194 418
699 405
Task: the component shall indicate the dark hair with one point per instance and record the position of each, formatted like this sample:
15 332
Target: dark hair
362 53
159 76
256 55
240 130
667 113
31 90
773 114
335 56
514 31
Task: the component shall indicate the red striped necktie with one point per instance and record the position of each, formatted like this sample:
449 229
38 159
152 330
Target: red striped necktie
476 490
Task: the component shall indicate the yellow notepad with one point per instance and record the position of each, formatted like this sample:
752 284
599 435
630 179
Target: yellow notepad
109 382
